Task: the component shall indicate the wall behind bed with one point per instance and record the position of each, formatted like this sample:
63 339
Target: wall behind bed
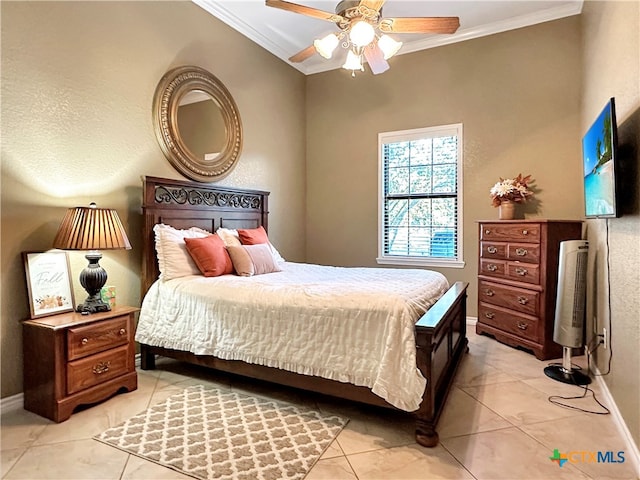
77 86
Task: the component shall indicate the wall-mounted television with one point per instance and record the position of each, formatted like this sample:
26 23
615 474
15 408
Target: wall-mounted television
599 145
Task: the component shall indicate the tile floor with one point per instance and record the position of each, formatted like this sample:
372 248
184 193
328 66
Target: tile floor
498 424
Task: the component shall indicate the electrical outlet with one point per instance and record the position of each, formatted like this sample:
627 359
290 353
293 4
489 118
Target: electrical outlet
605 338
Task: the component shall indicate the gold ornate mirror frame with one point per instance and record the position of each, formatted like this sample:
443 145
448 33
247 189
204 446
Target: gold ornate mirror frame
173 86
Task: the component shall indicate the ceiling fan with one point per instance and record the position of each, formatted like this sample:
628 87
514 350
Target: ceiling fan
363 32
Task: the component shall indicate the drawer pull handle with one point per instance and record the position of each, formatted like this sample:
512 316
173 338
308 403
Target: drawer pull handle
85 341
491 267
101 367
525 232
523 326
521 252
521 271
492 249
489 314
122 331
487 231
523 300
489 293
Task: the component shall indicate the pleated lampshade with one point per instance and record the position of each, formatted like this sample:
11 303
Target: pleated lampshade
91 228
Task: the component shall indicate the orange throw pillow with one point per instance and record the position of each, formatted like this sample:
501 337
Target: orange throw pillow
253 236
210 255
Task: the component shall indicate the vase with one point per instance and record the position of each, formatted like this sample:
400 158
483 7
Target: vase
506 210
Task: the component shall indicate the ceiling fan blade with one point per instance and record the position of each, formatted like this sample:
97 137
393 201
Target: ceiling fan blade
375 59
308 11
420 25
302 55
374 4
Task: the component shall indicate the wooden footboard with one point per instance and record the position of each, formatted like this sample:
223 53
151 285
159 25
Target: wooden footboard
441 341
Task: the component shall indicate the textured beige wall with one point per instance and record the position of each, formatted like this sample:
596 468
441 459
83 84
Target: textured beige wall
77 88
611 50
518 97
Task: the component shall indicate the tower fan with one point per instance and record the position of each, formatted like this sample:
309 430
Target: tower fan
568 329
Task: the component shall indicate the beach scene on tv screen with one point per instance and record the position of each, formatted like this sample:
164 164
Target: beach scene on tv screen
597 150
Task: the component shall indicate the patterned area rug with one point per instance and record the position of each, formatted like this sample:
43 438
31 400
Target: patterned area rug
214 434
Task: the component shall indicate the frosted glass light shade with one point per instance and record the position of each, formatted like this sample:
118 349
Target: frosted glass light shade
388 46
362 33
326 45
353 62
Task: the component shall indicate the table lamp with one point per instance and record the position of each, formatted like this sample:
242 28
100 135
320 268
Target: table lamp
91 228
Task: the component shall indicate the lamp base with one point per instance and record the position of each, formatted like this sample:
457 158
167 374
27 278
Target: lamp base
93 278
93 305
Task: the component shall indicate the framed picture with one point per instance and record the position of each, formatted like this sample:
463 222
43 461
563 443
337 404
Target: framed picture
48 283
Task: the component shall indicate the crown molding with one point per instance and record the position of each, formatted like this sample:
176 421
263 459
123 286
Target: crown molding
555 13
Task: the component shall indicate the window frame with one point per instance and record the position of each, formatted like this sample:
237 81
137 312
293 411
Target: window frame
454 129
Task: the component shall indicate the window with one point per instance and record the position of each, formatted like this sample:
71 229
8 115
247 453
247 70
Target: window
420 197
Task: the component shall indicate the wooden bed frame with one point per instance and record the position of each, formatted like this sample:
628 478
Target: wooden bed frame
440 334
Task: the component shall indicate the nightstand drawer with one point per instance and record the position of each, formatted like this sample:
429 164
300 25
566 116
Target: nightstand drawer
97 369
521 325
97 337
518 299
517 232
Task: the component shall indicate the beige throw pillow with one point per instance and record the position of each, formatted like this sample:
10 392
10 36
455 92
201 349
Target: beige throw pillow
251 260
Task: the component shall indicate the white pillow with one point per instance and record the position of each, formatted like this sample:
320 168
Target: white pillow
174 260
231 239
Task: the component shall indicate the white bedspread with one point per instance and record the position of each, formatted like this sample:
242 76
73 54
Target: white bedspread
353 325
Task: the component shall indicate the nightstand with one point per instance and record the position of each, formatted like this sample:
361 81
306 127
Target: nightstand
72 359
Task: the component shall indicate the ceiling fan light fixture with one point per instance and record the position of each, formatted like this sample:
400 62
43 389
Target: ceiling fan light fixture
362 33
389 46
326 45
353 62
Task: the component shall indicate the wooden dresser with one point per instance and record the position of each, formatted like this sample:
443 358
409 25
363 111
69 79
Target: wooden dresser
517 281
72 359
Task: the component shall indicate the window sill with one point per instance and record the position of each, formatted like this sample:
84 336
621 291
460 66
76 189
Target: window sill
420 262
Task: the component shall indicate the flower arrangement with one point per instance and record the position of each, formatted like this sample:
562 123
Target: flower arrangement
511 189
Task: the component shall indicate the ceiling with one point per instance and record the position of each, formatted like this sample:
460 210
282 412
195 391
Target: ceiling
285 33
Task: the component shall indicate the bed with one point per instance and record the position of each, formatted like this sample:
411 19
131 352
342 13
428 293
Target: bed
439 334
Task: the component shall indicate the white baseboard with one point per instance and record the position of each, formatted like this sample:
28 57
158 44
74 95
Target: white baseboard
11 404
471 321
633 455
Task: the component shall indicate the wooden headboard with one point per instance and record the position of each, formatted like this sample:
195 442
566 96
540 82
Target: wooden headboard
183 204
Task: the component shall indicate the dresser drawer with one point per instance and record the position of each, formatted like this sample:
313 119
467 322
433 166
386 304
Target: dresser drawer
524 326
518 299
523 272
97 337
524 252
517 232
493 250
493 267
98 368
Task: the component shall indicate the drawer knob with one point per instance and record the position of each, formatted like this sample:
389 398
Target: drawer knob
525 232
492 249
521 271
521 252
523 326
489 314
491 267
487 231
523 300
85 341
101 367
122 331
489 293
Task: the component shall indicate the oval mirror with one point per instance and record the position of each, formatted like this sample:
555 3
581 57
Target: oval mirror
197 124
